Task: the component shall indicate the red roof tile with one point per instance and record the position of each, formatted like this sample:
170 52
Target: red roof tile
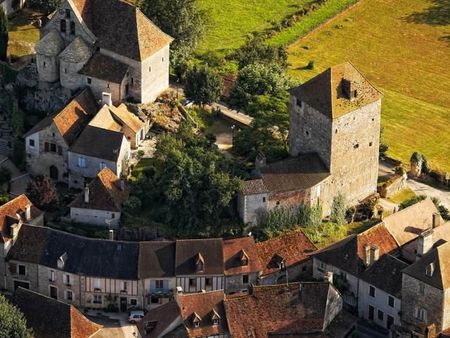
234 250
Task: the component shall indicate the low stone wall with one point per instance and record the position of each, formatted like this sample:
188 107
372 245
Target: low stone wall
394 185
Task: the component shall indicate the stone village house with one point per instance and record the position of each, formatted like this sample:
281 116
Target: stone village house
107 45
333 142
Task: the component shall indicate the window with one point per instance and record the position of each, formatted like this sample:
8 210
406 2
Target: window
356 146
422 289
371 291
196 324
46 146
31 143
133 302
390 321
53 292
60 151
65 70
391 301
98 299
67 279
429 270
53 147
371 312
154 300
215 322
322 267
245 279
69 295
132 81
72 28
13 268
380 315
299 103
81 162
22 270
89 80
124 286
159 284
102 165
51 276
208 281
62 26
264 200
370 144
107 85
192 282
150 69
97 283
113 215
421 314
44 64
162 59
68 13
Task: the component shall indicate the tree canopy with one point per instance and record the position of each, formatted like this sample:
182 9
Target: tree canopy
203 85
42 192
46 6
3 35
12 321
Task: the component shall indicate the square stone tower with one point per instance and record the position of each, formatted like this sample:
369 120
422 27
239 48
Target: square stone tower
337 115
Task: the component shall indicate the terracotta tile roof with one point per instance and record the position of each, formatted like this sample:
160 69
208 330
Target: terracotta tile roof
386 275
241 256
205 306
105 193
254 187
348 254
127 118
299 173
122 28
99 143
104 120
281 310
188 250
438 258
72 119
326 93
47 316
293 247
157 321
105 68
14 211
51 44
156 259
408 223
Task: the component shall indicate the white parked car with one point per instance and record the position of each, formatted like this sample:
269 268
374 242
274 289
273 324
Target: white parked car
135 316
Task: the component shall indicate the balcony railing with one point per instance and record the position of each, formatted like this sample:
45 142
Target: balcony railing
160 292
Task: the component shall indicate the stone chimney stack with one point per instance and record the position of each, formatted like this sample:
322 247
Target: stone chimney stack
328 277
374 254
436 220
86 195
424 243
15 228
28 213
367 255
106 99
111 235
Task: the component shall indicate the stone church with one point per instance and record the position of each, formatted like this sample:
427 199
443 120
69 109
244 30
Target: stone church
334 141
107 45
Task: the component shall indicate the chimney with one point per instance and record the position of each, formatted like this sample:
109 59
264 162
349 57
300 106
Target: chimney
374 254
106 99
15 228
28 213
111 235
260 162
367 255
424 243
328 277
436 220
86 195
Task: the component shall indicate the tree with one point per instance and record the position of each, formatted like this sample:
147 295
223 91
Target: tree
258 79
255 50
181 19
338 209
309 216
42 192
12 322
3 35
203 85
45 6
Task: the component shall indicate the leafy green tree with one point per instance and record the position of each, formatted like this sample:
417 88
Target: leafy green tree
203 85
258 79
338 209
310 216
255 50
181 19
3 35
12 322
42 192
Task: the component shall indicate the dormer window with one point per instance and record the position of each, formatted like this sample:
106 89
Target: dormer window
244 258
215 318
62 261
196 320
199 263
429 270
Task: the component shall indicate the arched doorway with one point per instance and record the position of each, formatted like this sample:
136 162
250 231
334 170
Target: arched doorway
54 175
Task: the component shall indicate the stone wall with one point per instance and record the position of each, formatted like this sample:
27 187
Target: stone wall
48 68
69 76
393 186
298 272
289 199
155 75
235 283
60 283
95 217
251 207
31 276
98 86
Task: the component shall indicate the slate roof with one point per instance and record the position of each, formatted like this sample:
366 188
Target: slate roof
293 247
204 305
105 193
158 320
77 51
51 44
405 225
99 143
233 249
297 173
325 91
72 119
156 259
47 316
122 28
91 257
348 254
13 211
386 274
290 310
187 251
439 257
105 68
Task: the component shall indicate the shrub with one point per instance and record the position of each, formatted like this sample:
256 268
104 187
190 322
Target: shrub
411 201
338 209
310 65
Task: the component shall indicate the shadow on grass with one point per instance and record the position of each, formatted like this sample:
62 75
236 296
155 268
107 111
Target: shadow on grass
438 14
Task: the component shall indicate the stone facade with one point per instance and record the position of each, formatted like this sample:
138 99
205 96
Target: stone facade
95 217
297 272
251 207
241 282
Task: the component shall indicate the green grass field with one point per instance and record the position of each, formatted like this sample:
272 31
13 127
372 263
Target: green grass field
403 47
22 35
